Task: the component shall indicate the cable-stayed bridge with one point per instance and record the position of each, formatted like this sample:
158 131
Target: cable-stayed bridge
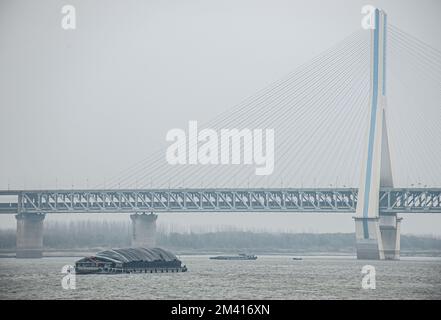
337 116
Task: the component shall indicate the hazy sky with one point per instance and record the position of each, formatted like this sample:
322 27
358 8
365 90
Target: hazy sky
78 106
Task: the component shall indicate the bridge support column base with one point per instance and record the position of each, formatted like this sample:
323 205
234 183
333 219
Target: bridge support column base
368 239
29 237
143 230
390 234
383 237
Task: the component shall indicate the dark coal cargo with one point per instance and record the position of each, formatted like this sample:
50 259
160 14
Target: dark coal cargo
130 260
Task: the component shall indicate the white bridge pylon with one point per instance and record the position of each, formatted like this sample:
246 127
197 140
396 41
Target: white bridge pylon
377 233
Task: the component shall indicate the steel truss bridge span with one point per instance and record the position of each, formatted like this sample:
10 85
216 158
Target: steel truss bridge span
392 200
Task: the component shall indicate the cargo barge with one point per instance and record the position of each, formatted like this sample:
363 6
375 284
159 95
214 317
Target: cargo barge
130 260
240 256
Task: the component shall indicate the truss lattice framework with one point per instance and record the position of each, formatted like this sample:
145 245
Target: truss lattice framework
220 200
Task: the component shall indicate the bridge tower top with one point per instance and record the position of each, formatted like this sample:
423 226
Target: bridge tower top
378 52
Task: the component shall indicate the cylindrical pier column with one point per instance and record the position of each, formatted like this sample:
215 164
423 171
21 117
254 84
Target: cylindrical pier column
143 230
29 238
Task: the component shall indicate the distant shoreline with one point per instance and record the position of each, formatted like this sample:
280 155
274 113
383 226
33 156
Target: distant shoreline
85 239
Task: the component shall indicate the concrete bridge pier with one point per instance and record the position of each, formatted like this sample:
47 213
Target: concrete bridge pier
29 238
369 245
143 229
390 235
382 240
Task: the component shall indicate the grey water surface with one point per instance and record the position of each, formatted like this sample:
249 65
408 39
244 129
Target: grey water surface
268 277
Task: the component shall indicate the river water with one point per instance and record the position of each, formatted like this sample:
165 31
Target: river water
268 277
